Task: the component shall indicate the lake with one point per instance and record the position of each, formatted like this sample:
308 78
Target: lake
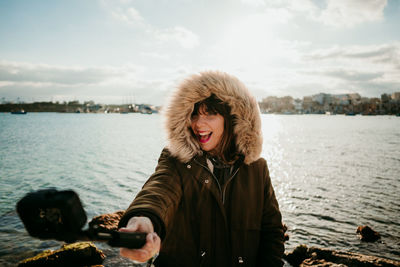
330 173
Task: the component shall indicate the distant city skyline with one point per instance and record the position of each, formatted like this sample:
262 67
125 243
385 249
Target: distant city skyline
129 100
114 51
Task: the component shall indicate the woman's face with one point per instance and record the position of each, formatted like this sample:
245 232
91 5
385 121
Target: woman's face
208 129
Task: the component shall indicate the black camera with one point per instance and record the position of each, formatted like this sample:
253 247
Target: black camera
52 214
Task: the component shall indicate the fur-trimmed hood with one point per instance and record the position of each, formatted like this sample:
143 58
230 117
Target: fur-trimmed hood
177 114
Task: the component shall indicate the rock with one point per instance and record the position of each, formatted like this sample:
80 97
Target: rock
320 263
352 259
298 255
367 233
107 221
285 235
75 254
304 256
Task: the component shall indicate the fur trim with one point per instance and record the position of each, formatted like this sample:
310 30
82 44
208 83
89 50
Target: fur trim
229 89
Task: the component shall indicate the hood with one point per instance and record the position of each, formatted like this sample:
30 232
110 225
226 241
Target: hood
230 90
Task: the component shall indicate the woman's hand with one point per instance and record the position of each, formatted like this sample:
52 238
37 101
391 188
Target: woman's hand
153 241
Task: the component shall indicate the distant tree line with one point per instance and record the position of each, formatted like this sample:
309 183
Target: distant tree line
77 107
72 106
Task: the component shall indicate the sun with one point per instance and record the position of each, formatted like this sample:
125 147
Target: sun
250 42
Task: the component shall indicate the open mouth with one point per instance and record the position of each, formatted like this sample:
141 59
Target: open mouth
204 137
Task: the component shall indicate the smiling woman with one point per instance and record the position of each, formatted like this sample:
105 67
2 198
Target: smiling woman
212 125
194 199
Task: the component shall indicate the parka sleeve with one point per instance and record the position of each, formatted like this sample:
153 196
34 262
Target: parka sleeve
159 197
272 234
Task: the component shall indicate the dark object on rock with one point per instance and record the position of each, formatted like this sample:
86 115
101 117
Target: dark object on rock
304 256
367 233
107 221
76 254
53 214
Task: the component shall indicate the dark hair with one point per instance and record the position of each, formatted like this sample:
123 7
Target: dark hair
226 149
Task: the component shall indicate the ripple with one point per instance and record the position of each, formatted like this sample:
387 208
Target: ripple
330 173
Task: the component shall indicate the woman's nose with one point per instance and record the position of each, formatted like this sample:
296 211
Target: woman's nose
200 121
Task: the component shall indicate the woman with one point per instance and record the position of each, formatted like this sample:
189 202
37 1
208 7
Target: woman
210 201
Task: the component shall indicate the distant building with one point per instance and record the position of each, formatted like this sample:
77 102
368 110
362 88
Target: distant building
298 105
388 105
323 103
385 98
322 98
145 109
396 96
342 99
355 98
307 104
269 104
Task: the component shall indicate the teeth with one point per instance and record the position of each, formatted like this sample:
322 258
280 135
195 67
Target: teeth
202 134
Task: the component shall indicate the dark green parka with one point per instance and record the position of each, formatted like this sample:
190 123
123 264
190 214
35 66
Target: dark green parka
201 222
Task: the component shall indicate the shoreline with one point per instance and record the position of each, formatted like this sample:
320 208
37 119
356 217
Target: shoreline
302 255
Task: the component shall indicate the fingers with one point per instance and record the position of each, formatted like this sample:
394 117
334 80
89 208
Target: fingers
152 247
153 241
133 224
139 255
127 230
140 224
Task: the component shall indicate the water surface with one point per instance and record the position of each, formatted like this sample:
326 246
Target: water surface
330 173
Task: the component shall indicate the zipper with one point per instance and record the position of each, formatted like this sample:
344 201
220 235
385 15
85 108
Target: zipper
222 192
226 185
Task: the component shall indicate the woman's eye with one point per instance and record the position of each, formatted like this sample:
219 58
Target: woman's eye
211 117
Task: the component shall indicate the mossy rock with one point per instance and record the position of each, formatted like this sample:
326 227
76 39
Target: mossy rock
107 221
304 256
75 254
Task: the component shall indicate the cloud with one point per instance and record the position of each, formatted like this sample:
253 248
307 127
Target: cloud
255 3
125 12
340 13
21 72
354 76
104 84
277 15
130 15
377 55
369 70
335 13
184 37
349 13
278 11
154 55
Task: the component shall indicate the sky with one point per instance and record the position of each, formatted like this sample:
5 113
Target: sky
122 51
